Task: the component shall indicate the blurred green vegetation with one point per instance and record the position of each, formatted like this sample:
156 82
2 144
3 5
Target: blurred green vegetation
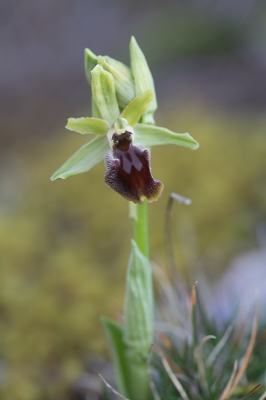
64 245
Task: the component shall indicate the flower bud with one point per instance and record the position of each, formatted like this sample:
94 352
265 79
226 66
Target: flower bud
124 84
103 91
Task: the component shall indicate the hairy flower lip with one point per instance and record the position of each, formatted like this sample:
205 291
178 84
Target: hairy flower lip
128 171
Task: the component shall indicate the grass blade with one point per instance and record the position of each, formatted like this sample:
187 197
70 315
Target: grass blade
212 356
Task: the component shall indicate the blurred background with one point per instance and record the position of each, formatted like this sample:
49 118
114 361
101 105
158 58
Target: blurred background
64 245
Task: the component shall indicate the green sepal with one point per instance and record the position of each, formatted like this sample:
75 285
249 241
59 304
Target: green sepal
103 91
142 77
124 84
149 135
114 334
84 159
137 107
90 61
94 109
88 125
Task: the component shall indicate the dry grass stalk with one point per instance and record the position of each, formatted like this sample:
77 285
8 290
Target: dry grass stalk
152 385
229 389
248 354
112 389
194 294
172 376
252 391
200 362
226 390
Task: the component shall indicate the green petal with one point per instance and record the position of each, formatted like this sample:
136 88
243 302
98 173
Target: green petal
103 91
137 107
142 77
84 159
149 135
90 61
124 84
88 125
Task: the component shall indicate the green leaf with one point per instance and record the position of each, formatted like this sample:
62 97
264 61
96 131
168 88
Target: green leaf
90 61
88 125
114 334
124 84
149 135
137 107
84 159
142 77
138 325
138 311
103 91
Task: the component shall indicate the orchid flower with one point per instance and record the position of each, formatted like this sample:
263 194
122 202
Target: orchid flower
120 139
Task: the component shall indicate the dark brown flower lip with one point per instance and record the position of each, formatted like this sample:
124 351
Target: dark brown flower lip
128 170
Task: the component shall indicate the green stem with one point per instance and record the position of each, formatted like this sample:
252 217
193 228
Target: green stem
141 228
138 326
